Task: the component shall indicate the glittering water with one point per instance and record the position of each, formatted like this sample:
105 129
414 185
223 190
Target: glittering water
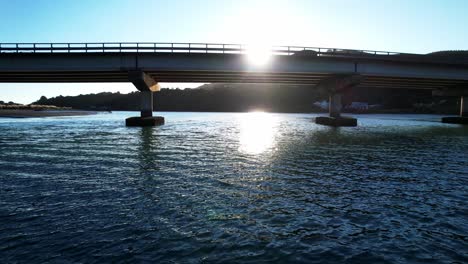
227 187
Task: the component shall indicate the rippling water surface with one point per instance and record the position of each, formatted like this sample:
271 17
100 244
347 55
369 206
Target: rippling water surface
233 187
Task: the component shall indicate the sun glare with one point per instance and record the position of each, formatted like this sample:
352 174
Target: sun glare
258 54
257 131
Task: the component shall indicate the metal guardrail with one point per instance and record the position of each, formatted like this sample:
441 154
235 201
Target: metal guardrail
162 47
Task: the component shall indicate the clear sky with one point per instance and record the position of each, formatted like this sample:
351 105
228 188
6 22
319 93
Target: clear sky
416 26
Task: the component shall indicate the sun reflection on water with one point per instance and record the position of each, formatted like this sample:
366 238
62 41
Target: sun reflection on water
257 132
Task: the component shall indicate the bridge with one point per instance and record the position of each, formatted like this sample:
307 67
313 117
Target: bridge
147 64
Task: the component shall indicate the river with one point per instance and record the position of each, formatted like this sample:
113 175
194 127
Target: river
233 187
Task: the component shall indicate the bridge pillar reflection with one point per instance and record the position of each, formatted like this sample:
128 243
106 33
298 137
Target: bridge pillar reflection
147 86
335 87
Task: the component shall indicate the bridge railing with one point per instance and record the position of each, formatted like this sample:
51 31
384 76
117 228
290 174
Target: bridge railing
167 47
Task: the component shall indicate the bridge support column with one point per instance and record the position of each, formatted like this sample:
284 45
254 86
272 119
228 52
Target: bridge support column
335 86
146 103
463 117
464 106
462 93
147 86
334 105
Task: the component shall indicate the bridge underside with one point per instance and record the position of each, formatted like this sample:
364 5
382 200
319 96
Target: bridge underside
225 77
224 68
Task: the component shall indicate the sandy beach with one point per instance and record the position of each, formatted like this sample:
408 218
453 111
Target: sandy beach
43 113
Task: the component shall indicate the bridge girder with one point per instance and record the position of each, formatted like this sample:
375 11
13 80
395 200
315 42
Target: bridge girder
143 82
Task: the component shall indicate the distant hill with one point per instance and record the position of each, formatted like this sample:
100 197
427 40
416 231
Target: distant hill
210 97
8 103
450 53
451 56
246 97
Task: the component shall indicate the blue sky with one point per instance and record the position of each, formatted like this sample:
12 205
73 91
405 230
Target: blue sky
404 26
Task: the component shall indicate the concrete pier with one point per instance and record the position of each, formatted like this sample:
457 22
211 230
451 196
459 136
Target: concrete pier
335 86
342 121
463 117
146 104
144 121
464 106
147 86
334 105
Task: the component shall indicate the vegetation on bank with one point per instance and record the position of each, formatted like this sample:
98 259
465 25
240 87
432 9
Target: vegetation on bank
35 107
248 97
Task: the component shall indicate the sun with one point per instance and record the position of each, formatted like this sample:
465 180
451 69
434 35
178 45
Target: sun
261 25
258 54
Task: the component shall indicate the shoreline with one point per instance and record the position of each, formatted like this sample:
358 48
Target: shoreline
387 111
4 113
28 113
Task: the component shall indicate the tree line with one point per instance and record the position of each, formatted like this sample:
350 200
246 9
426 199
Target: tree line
243 97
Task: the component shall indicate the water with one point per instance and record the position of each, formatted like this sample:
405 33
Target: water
233 187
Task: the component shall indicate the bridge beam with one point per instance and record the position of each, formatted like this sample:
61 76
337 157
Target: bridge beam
143 81
146 85
335 86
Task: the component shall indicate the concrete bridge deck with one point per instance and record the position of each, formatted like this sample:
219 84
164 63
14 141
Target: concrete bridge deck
326 68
